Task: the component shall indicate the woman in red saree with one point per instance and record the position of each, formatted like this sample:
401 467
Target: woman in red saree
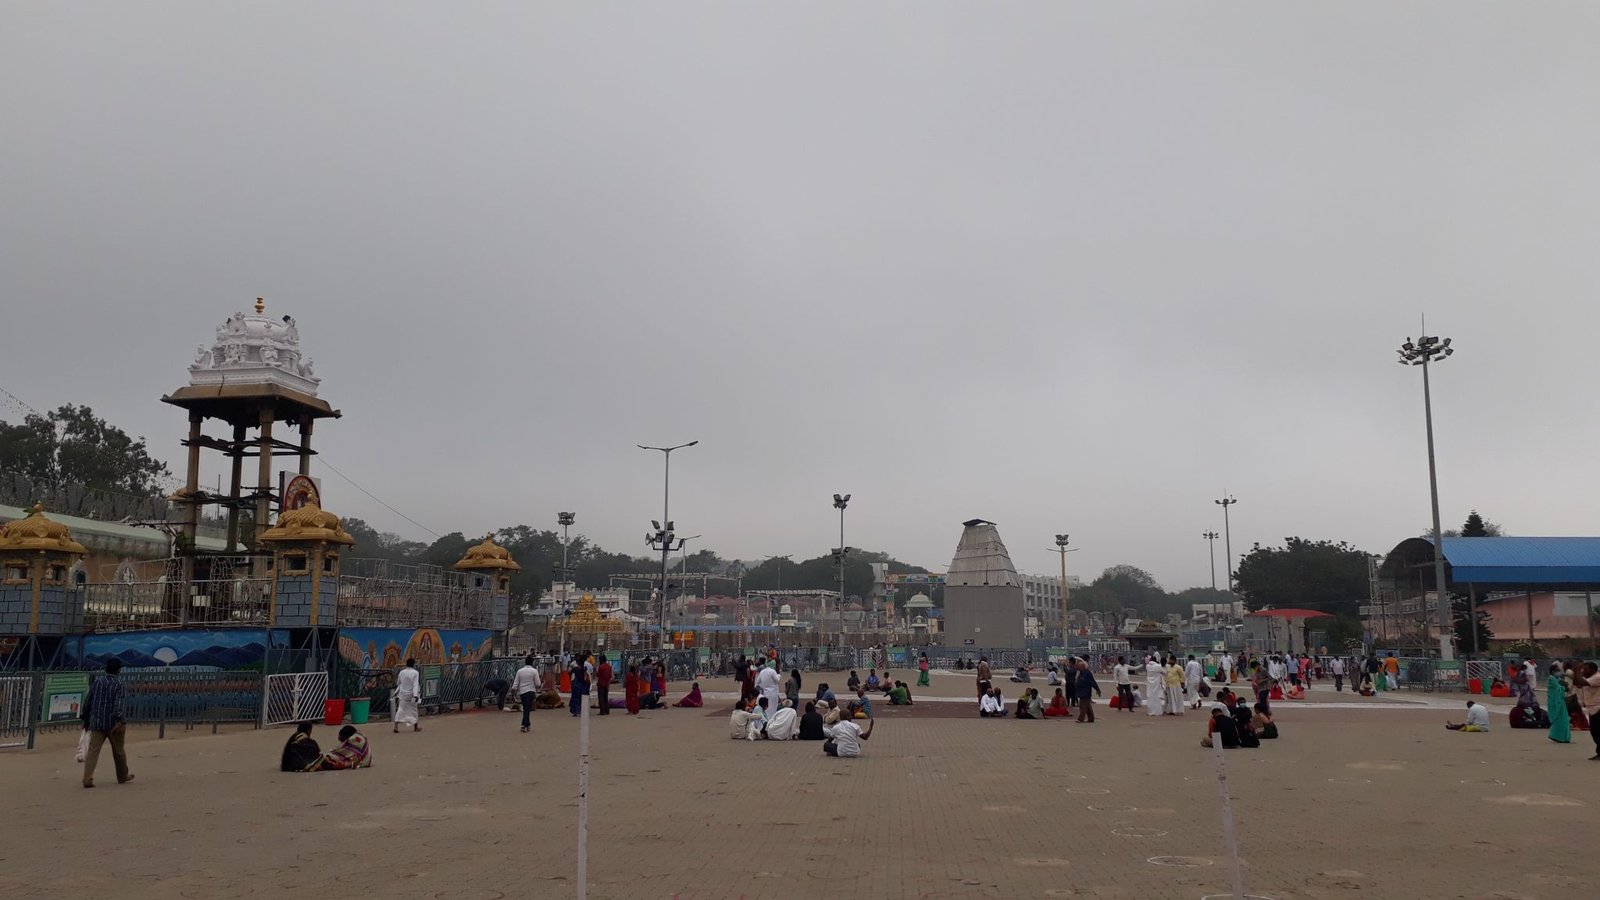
1058 705
693 698
630 690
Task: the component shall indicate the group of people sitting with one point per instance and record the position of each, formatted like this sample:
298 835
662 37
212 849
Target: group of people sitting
1079 689
753 719
301 753
1235 723
897 692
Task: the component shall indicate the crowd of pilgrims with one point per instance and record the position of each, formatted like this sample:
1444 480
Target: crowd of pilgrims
769 706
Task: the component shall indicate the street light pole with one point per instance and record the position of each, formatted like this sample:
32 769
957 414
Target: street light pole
1429 349
663 533
1211 543
1227 534
1066 623
565 520
839 503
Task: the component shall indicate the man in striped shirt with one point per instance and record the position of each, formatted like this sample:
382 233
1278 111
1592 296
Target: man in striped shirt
102 718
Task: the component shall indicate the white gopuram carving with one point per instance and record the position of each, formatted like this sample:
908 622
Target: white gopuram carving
254 349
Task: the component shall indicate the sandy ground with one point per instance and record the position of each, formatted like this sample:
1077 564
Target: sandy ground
1351 802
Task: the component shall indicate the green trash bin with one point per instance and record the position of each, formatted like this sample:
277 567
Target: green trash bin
360 709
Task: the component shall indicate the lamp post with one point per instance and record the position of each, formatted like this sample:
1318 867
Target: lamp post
565 520
1227 534
840 501
1066 623
1211 543
1428 349
683 561
662 537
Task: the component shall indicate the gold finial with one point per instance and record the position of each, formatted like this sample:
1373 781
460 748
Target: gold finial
36 509
261 306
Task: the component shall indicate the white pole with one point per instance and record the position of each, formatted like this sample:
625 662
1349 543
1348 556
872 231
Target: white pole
1229 842
583 798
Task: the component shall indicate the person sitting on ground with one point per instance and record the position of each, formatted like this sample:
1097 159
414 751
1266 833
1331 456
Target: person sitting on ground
1499 688
783 724
991 706
1261 723
1035 705
811 724
887 684
1528 716
1297 691
1243 718
1054 676
651 699
300 752
352 753
861 705
844 739
853 682
1367 689
743 725
1227 698
1020 676
830 713
1058 706
1221 727
692 700
1022 711
1477 719
872 679
825 695
1138 698
901 695
549 696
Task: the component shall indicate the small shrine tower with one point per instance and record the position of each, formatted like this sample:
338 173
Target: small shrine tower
489 566
38 595
306 544
251 378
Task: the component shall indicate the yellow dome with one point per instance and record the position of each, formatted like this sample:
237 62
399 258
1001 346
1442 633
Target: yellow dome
487 555
308 523
37 532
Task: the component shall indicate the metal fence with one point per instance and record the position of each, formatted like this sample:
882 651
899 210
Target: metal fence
122 606
295 697
444 686
16 711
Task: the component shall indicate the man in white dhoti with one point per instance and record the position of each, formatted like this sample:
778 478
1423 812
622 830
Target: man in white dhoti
1155 686
1191 680
767 685
1225 668
782 725
408 697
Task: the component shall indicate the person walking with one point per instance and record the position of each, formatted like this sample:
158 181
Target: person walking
1225 668
1174 681
630 690
1556 705
1192 672
1338 673
602 681
1123 674
1588 687
1391 673
984 676
525 684
922 669
578 671
102 718
408 697
1261 683
1085 686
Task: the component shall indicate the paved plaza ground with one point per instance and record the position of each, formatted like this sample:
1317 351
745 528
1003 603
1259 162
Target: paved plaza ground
1351 802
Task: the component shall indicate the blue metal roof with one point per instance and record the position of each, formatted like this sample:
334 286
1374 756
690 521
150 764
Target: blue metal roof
1523 560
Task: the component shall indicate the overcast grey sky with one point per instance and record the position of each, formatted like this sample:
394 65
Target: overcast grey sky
1067 267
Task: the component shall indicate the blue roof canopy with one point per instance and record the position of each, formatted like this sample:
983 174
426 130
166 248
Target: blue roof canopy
1519 561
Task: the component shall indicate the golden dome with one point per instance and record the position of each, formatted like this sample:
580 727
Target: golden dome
586 619
487 555
308 523
36 532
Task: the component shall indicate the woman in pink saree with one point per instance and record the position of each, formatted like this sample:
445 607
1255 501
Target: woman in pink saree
693 699
352 753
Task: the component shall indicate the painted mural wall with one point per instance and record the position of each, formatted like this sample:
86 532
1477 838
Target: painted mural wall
388 648
231 649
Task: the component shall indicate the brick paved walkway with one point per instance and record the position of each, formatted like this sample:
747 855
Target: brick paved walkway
1349 803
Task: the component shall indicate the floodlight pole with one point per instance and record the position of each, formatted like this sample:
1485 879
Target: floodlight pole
1211 542
1428 349
664 532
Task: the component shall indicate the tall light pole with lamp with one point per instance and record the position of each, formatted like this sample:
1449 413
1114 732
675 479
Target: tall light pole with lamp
840 501
1227 533
662 538
1428 349
1066 624
1211 542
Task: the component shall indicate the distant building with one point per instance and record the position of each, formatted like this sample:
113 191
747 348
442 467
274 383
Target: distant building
1041 599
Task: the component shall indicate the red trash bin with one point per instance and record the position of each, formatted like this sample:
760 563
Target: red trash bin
333 712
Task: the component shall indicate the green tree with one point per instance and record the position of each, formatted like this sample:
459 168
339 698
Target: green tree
1326 576
1472 626
74 447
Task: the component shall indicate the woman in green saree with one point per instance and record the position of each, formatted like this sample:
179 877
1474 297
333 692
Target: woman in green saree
1556 697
